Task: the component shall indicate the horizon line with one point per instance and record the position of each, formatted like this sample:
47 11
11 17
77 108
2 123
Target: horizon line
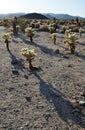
41 13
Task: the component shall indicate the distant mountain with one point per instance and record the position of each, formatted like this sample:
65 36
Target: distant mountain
34 16
10 15
39 16
48 16
61 16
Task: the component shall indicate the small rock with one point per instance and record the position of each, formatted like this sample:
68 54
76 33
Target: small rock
82 103
26 76
69 66
76 110
83 94
27 123
11 89
47 116
21 128
28 99
83 111
65 57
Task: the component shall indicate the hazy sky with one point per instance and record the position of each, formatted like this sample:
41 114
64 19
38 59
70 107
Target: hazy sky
72 7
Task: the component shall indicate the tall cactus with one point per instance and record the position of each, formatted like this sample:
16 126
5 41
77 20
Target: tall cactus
70 39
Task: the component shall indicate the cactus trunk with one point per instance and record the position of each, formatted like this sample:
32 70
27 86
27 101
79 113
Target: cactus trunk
7 44
30 64
54 40
31 39
72 49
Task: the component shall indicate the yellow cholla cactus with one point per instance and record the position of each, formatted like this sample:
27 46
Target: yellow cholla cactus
54 36
80 31
70 39
7 38
28 53
29 31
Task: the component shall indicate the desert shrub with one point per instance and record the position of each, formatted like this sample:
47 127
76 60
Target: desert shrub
47 22
23 24
75 29
5 22
34 25
44 27
37 25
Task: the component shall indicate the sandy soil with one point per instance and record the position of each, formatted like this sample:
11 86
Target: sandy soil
40 100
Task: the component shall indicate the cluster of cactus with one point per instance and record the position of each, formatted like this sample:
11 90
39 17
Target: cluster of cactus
30 55
30 33
70 39
7 38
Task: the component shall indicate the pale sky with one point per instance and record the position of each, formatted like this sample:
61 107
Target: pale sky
72 7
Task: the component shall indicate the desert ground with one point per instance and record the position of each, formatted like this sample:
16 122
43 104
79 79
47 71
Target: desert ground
40 99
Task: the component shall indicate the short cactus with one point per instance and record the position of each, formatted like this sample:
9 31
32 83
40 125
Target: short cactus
30 33
7 38
53 35
80 31
30 55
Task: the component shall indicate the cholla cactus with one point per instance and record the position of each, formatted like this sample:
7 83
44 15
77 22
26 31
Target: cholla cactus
14 24
80 31
17 28
51 29
53 35
30 55
30 33
7 38
70 40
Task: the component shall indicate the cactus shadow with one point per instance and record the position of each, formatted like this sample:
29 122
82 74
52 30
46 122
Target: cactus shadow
81 56
61 104
42 48
16 63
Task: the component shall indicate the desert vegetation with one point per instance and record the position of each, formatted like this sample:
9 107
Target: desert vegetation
7 39
30 55
30 33
52 95
70 39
